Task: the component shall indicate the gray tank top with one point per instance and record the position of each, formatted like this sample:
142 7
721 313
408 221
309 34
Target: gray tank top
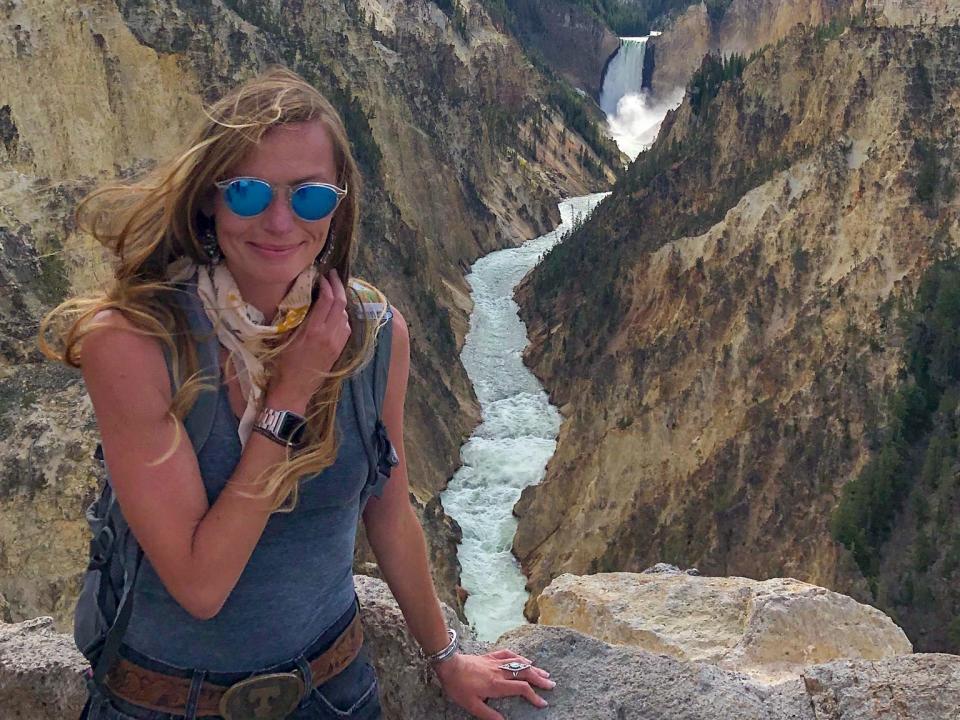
299 579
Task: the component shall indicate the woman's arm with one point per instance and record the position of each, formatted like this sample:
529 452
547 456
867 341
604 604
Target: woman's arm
398 543
198 550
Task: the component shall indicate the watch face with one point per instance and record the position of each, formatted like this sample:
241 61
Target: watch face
293 429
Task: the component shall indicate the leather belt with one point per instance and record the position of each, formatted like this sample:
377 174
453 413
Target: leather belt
273 695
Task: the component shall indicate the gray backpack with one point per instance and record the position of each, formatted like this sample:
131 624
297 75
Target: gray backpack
105 603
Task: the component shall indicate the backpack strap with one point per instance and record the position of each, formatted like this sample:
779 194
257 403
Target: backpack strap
198 424
381 456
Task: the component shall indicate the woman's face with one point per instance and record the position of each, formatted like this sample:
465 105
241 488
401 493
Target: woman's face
274 247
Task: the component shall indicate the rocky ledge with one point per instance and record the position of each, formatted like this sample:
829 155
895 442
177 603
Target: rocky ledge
770 630
39 668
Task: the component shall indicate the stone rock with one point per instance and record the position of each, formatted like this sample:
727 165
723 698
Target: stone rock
596 680
913 687
40 672
40 678
743 27
769 630
408 687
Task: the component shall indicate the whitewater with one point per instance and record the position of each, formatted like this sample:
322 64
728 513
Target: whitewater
634 114
510 448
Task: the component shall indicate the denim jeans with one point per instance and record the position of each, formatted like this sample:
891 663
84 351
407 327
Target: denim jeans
350 695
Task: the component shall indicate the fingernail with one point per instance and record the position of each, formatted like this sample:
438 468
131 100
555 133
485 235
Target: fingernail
552 684
543 703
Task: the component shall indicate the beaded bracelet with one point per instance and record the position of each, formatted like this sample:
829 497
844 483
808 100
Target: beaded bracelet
450 649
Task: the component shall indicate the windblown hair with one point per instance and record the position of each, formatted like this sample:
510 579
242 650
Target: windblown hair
149 223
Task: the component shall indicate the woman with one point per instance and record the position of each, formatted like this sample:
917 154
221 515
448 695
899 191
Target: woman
247 536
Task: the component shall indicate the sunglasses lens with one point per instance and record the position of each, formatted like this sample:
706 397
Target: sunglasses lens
248 197
313 202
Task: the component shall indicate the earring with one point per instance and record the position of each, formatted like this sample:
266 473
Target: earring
326 252
208 239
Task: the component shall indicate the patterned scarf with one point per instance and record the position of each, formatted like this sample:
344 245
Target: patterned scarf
241 328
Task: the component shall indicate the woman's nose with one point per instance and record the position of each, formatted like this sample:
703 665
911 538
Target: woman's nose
278 218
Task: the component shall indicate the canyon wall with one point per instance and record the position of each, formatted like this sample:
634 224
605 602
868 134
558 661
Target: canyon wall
723 334
743 27
569 37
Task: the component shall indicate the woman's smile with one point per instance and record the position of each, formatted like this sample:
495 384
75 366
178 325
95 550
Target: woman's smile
275 251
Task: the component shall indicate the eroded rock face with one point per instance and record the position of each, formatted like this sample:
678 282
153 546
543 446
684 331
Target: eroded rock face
769 630
917 12
39 679
571 38
716 401
744 26
747 25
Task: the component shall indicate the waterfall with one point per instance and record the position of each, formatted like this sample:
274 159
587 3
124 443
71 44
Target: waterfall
624 72
633 113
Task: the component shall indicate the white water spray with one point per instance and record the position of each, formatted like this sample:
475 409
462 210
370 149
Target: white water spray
633 115
509 450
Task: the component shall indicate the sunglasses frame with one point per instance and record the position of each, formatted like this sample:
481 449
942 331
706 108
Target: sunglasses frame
222 186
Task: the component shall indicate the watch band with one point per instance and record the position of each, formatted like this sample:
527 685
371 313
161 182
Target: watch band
281 426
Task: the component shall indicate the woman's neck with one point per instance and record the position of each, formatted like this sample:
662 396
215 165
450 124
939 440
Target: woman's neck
265 297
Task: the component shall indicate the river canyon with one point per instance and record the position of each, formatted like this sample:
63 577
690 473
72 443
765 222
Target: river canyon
731 362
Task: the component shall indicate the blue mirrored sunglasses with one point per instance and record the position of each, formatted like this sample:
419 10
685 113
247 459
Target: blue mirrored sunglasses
310 201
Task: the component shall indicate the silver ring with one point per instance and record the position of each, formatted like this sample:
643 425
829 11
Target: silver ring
515 667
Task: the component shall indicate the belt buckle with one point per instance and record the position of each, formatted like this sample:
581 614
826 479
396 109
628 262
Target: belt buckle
263 697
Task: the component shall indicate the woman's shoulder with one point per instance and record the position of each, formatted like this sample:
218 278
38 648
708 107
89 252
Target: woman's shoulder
113 344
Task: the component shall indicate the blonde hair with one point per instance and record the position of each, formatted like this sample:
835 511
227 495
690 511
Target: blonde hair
150 222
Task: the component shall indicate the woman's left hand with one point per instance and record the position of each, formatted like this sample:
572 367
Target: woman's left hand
468 680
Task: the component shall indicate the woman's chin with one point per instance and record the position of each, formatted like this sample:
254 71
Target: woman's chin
272 271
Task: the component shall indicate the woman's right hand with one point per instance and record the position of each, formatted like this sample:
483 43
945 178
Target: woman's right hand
316 345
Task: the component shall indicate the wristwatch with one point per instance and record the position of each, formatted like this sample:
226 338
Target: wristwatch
282 426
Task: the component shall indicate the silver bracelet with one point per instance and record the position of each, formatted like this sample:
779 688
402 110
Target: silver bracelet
450 649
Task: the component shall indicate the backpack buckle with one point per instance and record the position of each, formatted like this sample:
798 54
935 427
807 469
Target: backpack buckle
265 697
101 545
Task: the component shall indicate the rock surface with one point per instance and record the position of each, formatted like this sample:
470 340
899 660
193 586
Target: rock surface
40 672
720 396
744 26
39 679
917 12
769 630
748 25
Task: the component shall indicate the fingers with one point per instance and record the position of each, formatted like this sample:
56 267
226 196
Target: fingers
338 299
508 655
483 711
329 296
317 316
535 678
520 688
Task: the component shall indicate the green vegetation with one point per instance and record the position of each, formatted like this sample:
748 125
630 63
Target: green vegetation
453 10
919 444
713 72
576 115
934 182
53 282
716 9
633 18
